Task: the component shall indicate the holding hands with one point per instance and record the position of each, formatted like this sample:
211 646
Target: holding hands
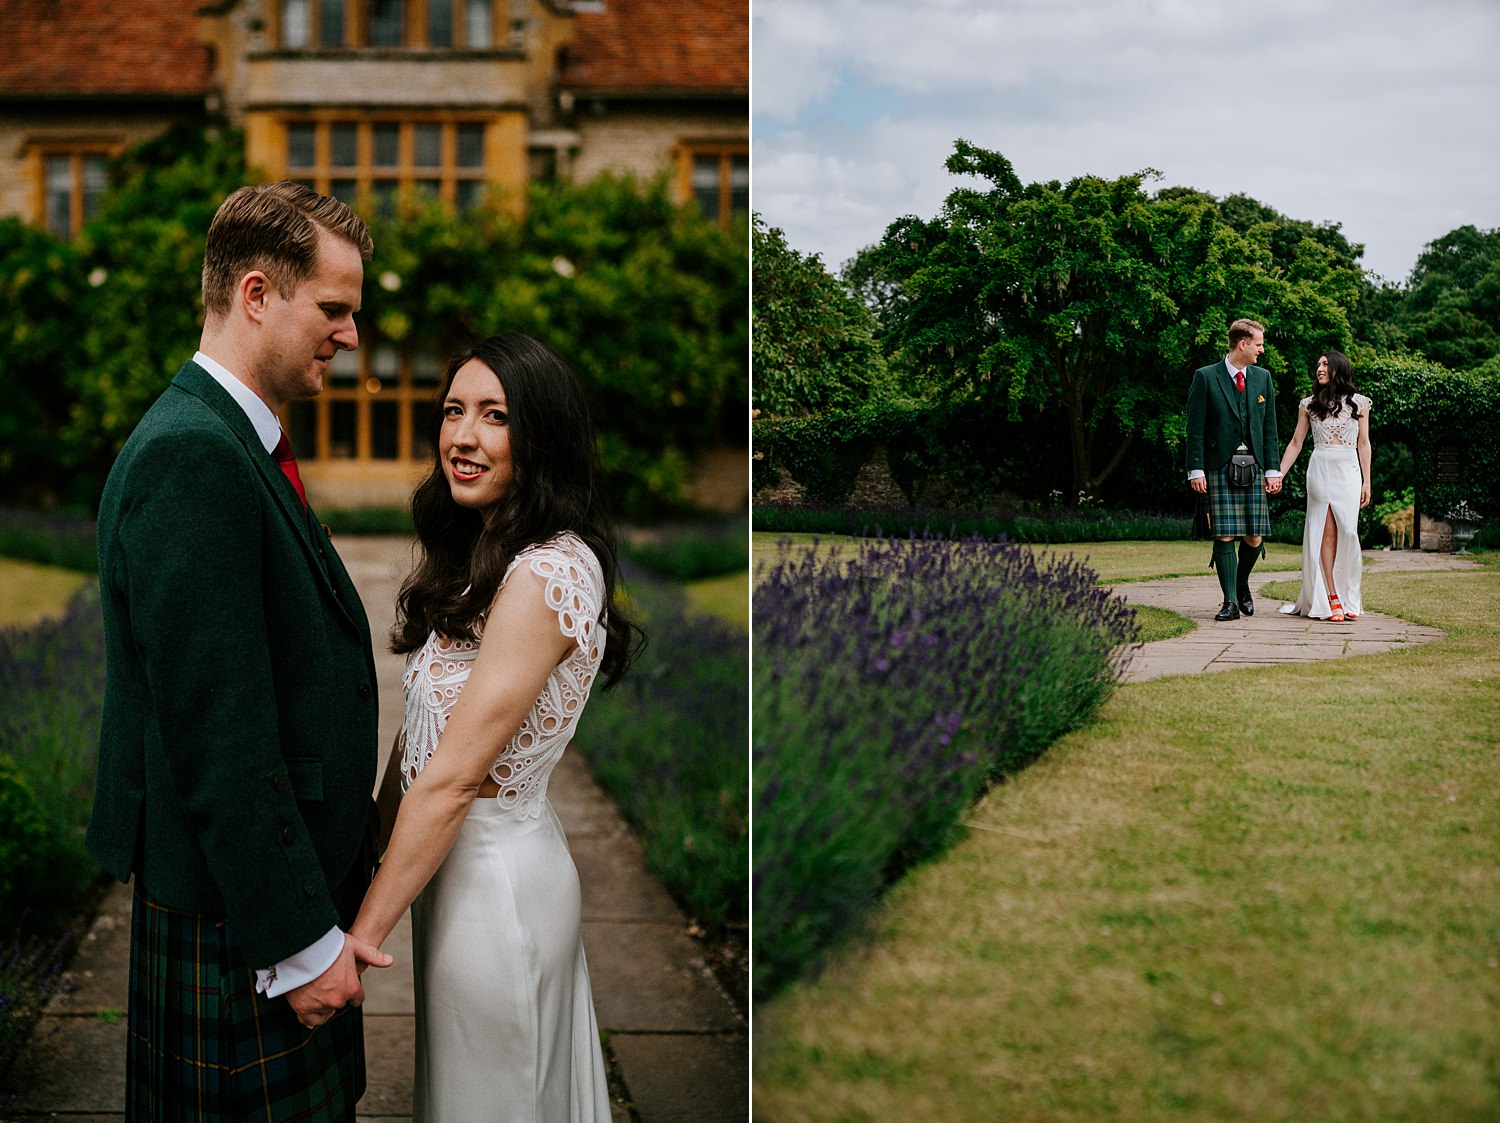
316 1003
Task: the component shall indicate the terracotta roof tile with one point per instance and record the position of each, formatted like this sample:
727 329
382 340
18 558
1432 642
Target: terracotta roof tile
102 48
662 46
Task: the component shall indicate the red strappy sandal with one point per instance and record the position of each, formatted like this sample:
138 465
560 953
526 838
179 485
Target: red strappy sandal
1336 615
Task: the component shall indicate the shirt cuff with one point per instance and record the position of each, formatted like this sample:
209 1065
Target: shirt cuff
1195 474
301 968
1273 473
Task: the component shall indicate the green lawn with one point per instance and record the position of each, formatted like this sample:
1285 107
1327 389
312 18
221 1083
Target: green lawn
30 593
1263 895
1114 561
727 597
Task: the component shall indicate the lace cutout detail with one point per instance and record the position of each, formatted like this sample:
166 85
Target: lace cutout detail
1341 428
436 673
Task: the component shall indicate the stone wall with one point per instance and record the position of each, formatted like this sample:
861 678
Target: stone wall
1436 535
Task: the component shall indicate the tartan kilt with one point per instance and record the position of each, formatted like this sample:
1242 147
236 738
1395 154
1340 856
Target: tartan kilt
204 1045
1237 512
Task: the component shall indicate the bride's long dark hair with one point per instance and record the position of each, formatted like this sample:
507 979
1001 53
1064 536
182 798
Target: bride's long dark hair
555 488
1329 398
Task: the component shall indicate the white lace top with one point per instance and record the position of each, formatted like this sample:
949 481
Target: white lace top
436 673
1341 428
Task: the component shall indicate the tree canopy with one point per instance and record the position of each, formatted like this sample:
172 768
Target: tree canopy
1451 311
1097 296
812 343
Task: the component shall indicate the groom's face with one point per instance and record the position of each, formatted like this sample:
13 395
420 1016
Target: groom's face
1249 349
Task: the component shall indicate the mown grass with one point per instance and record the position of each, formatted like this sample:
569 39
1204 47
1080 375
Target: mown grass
1115 562
727 597
1265 895
31 593
1160 623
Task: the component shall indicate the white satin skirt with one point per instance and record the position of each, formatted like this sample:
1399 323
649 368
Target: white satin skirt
505 1027
1333 484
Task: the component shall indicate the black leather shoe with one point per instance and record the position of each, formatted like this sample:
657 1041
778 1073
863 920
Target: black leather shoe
1229 612
1247 605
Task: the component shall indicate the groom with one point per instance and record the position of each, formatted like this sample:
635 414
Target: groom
1232 406
237 746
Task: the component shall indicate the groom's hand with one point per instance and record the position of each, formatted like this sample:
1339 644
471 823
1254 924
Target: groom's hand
316 1002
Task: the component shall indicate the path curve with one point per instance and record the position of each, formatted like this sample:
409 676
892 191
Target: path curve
1269 638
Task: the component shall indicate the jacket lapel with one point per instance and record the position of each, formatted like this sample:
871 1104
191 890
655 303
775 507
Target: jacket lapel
1227 391
196 381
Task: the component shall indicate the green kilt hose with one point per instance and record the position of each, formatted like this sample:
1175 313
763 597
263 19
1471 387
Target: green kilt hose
204 1045
1237 512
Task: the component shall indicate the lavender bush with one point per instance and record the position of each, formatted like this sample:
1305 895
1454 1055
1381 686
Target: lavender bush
669 745
51 689
891 682
31 972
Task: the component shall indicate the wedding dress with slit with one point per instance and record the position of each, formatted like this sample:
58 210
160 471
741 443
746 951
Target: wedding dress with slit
1333 486
505 1026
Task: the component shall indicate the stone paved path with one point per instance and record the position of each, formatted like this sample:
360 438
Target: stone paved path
678 1046
1270 638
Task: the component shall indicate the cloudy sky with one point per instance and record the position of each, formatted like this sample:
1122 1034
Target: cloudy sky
1379 115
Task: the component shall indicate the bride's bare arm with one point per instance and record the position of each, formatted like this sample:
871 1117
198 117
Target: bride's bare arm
1294 446
522 643
1364 457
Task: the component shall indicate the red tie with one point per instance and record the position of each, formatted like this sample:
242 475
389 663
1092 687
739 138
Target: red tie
284 457
1239 384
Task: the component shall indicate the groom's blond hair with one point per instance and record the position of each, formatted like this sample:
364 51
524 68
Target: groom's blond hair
1244 329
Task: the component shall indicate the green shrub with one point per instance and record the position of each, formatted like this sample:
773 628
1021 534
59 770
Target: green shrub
49 538
25 842
647 300
369 520
690 552
1045 526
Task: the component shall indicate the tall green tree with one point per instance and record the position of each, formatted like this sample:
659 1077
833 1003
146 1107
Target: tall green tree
812 342
1095 296
1451 312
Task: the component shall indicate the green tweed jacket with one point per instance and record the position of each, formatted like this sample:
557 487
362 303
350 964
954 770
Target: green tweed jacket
1215 426
237 748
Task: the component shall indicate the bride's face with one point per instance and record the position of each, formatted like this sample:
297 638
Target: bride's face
1322 370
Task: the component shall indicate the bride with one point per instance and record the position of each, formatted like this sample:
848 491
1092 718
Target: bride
507 621
1338 485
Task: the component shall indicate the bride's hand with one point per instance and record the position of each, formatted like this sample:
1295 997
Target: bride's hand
1364 495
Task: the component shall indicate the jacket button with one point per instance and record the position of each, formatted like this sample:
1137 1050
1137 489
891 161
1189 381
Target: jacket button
308 890
364 690
278 782
287 834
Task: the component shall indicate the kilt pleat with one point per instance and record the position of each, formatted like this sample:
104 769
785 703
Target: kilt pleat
203 1045
1237 512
